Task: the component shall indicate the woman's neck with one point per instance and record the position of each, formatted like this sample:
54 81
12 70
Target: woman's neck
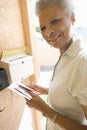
62 50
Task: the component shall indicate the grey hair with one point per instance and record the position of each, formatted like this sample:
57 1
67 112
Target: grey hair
66 5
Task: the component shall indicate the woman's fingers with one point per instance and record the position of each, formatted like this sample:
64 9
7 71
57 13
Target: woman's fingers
33 95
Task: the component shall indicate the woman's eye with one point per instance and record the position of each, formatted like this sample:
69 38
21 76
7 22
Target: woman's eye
43 28
55 21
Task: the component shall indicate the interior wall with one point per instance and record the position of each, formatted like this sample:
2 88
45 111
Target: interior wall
11 30
15 32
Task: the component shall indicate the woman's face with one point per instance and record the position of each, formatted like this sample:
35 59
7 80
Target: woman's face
56 26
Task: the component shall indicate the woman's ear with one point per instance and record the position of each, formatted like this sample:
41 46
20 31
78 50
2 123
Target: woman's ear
73 18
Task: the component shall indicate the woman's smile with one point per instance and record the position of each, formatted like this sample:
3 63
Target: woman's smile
55 39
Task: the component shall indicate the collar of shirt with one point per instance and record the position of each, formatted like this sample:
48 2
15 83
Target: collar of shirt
73 49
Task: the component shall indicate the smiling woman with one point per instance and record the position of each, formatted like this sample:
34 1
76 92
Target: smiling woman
69 82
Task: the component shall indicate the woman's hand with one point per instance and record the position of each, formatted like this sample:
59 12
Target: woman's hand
38 88
36 102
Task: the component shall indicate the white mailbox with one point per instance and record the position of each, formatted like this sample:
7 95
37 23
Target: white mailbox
18 67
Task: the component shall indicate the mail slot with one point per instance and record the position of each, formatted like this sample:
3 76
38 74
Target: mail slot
3 79
18 67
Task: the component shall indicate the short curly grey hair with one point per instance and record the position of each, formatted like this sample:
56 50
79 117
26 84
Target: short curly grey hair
66 5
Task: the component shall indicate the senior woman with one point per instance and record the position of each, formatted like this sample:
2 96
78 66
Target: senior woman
67 93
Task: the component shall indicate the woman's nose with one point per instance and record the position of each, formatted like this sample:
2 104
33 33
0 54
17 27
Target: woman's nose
48 31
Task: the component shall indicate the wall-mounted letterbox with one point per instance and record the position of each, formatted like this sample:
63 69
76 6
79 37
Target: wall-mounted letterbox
18 67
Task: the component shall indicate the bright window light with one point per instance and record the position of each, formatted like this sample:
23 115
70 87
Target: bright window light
81 9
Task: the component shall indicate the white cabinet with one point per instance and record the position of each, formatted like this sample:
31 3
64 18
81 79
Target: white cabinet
18 67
